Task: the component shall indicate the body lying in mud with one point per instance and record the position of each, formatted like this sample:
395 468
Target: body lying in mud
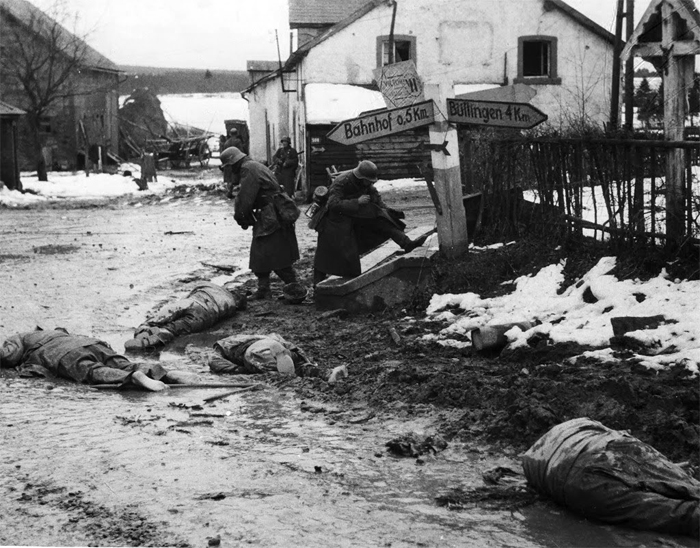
205 306
253 354
83 359
611 476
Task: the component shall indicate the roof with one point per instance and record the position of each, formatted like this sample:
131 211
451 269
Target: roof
262 66
314 13
580 18
27 13
8 110
302 51
649 27
333 103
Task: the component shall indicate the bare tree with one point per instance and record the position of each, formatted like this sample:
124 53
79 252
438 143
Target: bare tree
38 65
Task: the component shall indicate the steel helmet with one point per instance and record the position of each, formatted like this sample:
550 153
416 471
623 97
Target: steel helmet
294 292
231 156
366 170
287 139
11 352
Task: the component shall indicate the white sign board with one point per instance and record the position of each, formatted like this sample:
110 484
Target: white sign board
382 123
400 84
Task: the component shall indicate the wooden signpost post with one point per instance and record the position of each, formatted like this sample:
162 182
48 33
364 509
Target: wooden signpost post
400 85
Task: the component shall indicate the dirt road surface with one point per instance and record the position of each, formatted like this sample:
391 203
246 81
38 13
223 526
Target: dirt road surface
80 467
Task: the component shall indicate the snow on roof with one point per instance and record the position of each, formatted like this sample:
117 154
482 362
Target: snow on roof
333 103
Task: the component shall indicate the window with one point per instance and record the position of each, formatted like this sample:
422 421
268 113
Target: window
404 49
537 60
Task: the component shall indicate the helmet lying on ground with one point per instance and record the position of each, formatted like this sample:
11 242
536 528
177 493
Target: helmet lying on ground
294 292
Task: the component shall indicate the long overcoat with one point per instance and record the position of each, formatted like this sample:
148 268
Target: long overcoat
274 244
286 161
342 238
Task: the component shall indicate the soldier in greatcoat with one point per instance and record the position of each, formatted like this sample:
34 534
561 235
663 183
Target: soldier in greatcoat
274 246
284 164
355 220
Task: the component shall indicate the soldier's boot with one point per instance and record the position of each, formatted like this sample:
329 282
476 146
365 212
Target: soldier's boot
263 291
409 245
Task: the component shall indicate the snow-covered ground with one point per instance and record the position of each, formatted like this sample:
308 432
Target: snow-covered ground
594 208
204 111
569 317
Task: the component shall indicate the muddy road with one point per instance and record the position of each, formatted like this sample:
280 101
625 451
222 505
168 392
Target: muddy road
80 467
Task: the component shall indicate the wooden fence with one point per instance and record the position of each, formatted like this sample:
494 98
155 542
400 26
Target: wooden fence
604 188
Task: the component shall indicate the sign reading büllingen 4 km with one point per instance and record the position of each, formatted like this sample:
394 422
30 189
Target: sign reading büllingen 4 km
494 113
385 122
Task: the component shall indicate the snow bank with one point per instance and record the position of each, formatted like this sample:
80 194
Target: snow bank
64 185
568 317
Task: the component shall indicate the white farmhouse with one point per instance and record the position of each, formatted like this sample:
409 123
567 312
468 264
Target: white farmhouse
465 44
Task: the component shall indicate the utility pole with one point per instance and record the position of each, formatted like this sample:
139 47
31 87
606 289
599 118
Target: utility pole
617 50
629 70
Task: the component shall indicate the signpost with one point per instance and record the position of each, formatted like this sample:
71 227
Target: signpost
400 84
494 113
382 123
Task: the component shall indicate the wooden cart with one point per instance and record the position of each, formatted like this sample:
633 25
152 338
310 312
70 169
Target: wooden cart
181 152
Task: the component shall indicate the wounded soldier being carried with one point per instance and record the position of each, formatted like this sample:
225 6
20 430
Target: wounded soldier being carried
205 306
84 359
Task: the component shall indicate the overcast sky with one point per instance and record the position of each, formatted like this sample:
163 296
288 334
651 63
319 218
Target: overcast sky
213 34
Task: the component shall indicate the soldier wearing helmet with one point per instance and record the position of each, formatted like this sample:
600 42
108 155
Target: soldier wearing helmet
284 164
233 140
355 221
274 246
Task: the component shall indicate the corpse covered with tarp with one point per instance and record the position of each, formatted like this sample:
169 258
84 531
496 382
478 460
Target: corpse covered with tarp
613 477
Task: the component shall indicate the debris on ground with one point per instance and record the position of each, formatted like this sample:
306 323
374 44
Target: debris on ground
415 445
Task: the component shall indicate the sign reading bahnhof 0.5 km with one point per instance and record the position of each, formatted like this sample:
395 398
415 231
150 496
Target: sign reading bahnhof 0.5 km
385 122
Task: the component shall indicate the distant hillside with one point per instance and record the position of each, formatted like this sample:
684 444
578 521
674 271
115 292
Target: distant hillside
164 81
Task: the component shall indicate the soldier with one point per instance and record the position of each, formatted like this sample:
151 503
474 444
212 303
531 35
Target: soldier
353 221
284 164
274 246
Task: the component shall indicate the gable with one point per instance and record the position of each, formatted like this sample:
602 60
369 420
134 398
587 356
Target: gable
646 40
27 14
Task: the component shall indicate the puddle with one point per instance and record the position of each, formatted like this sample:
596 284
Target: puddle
55 249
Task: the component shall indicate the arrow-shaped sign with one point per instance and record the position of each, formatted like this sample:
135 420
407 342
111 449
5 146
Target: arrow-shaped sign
494 113
386 122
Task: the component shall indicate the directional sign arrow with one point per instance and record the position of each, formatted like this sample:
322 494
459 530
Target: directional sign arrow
386 122
494 113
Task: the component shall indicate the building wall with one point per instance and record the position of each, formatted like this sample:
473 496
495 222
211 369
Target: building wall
268 108
475 42
95 103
